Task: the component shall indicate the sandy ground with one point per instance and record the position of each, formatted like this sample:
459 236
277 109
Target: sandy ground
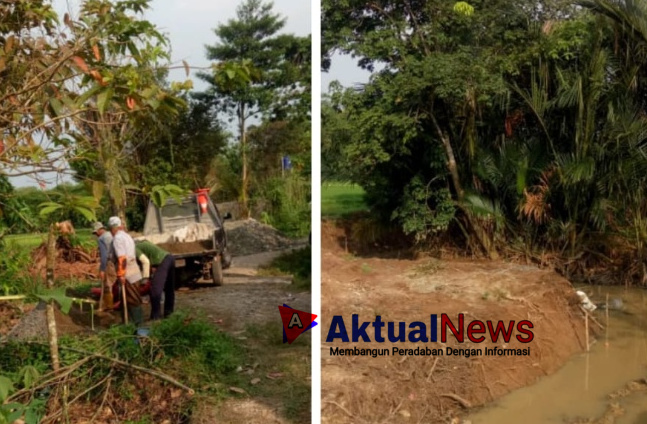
415 389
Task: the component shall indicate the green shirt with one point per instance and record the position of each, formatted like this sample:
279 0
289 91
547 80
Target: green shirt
154 254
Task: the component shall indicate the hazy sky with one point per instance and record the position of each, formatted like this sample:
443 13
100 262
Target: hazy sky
345 70
189 26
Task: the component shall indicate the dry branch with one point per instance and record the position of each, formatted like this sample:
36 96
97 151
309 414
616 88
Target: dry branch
464 403
433 367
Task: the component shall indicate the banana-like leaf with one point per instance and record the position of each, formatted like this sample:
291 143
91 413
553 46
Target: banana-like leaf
58 295
6 387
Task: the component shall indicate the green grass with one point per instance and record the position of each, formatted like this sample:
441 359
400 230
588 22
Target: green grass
296 263
32 240
339 199
25 240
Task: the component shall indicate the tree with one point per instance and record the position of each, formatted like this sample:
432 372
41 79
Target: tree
259 72
184 154
524 124
87 90
135 104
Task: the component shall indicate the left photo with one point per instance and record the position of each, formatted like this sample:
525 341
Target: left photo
155 211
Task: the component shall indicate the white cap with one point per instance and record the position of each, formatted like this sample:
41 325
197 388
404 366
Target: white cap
114 221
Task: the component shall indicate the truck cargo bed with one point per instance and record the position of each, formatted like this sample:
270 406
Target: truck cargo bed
180 250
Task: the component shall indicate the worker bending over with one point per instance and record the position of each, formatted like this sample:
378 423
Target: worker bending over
163 279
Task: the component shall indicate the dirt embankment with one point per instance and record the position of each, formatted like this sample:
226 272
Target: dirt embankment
437 389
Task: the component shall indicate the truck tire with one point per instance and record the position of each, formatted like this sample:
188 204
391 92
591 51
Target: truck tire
216 271
226 259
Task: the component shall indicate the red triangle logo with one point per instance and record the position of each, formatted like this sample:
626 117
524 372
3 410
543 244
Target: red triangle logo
295 322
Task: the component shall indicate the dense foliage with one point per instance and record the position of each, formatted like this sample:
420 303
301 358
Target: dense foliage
91 93
522 125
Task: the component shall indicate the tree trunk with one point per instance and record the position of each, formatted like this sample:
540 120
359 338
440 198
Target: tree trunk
243 145
51 318
478 231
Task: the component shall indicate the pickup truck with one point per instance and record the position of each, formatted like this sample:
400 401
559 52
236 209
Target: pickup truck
193 232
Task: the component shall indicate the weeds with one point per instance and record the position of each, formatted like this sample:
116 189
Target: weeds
13 262
430 267
289 205
113 364
296 263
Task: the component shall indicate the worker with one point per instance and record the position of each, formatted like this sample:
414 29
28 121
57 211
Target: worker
104 240
163 279
128 274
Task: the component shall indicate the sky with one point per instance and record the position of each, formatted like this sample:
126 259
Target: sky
344 69
189 26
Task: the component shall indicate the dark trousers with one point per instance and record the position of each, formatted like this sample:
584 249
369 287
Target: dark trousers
163 281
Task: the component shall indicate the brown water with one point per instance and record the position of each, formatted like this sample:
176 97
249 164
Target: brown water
581 387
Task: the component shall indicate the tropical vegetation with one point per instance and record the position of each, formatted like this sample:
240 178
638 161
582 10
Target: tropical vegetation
505 128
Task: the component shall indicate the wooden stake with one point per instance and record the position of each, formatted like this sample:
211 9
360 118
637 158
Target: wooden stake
595 321
606 343
586 327
124 303
13 297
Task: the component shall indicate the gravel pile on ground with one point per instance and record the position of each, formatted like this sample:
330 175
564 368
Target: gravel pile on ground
248 237
32 326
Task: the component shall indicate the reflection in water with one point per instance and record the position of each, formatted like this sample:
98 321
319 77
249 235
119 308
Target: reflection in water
582 386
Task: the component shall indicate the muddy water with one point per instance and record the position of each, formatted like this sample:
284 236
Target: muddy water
581 387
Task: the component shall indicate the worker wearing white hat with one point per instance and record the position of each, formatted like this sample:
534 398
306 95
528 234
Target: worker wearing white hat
128 273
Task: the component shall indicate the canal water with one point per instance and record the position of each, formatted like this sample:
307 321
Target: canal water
581 388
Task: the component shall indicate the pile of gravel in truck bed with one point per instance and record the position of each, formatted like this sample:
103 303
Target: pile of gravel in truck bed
248 237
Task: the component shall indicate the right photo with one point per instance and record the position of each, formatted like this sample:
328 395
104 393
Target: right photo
484 212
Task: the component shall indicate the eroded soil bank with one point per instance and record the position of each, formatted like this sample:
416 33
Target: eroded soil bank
437 389
607 385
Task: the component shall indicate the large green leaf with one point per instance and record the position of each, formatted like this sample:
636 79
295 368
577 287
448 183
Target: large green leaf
59 296
6 387
49 209
29 375
87 213
18 410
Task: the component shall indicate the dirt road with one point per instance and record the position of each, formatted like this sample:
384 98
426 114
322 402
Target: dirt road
246 297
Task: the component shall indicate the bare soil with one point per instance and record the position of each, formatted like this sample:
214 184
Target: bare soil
437 389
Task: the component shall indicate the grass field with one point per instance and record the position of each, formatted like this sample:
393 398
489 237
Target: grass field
339 199
32 240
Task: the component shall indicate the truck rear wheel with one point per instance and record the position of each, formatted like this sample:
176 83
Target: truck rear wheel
216 271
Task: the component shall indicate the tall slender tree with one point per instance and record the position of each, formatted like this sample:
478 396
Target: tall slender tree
258 72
